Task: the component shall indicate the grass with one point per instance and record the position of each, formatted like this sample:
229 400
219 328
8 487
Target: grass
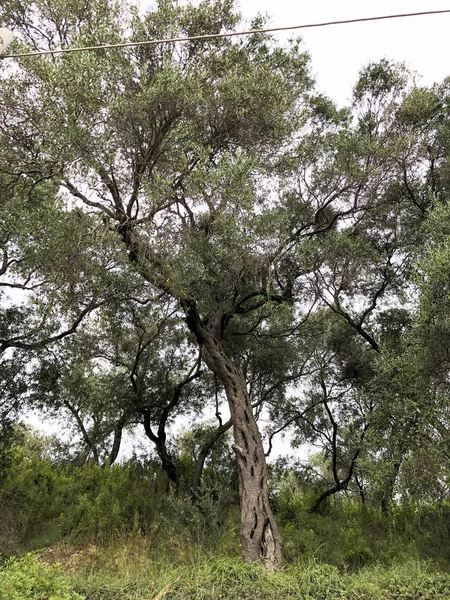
229 579
131 569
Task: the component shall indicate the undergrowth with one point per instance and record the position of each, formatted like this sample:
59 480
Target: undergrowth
109 574
124 533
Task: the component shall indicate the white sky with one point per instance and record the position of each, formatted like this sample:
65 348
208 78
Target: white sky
339 51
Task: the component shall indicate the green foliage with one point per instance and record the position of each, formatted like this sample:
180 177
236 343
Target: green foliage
30 496
125 534
42 502
380 80
117 577
48 503
350 535
28 578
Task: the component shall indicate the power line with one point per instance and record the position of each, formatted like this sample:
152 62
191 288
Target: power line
223 35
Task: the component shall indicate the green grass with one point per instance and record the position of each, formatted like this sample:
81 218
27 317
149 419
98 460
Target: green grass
130 569
230 579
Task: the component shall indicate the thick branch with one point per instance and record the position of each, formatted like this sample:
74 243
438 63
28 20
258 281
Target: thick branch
17 343
89 442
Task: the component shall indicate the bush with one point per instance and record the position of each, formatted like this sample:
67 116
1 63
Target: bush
43 502
29 579
350 535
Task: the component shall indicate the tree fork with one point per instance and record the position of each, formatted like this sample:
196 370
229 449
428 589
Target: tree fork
204 452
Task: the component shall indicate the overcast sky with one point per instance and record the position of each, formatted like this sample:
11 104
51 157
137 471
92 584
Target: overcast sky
339 51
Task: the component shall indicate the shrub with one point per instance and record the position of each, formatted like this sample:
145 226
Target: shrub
29 579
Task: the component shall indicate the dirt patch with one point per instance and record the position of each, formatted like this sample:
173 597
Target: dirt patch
69 556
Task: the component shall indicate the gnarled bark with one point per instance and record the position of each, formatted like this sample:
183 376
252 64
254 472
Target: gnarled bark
260 537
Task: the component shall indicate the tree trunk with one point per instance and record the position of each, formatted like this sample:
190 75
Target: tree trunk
203 454
167 464
260 538
87 438
118 431
387 497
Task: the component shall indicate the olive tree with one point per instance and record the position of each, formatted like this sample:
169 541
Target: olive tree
174 146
